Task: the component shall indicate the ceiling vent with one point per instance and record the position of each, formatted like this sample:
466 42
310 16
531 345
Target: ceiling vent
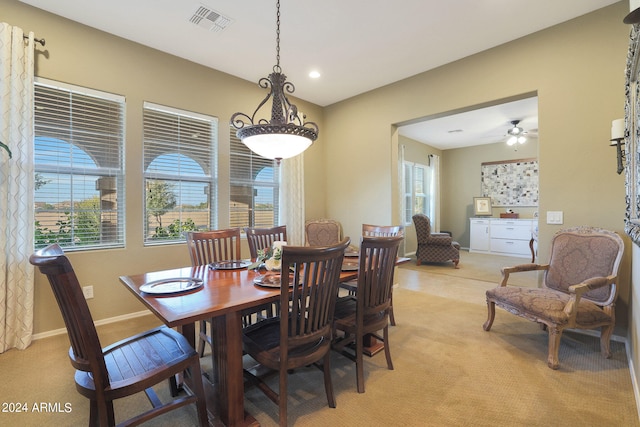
209 19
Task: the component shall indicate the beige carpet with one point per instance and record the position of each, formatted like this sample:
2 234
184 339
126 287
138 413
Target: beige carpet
448 372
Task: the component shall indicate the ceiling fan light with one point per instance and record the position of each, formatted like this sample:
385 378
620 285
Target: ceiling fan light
512 140
522 139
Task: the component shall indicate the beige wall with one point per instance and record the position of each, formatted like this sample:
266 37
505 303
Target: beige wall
83 56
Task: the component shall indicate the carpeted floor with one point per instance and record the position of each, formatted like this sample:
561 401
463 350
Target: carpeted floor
448 370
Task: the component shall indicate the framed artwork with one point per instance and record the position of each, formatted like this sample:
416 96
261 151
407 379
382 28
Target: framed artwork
511 182
482 205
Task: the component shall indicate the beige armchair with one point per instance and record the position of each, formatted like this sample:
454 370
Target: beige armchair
434 247
579 288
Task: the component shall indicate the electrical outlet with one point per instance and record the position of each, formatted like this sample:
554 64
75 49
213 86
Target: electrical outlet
88 292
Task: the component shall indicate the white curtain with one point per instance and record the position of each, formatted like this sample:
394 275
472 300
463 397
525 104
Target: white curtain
16 188
434 215
292 198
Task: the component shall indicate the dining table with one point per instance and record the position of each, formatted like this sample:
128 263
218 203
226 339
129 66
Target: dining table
221 295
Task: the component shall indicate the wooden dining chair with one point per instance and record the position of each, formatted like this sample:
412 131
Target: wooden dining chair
206 247
368 311
369 230
125 368
261 238
301 335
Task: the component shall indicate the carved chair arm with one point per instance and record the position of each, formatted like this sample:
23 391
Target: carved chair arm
576 292
520 268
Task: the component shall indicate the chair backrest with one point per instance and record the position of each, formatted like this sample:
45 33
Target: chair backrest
581 253
322 232
206 247
262 238
375 275
86 351
423 226
314 290
369 230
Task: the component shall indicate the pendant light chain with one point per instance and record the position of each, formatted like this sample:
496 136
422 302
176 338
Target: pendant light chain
277 67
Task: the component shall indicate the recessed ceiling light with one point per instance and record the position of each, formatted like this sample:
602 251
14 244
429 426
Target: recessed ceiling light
314 74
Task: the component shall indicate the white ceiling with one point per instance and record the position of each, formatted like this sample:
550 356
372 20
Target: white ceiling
485 125
356 45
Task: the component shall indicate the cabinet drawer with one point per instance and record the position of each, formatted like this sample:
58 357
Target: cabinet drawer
511 231
508 246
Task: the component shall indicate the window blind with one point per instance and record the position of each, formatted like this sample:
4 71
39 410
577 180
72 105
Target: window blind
255 187
79 167
180 172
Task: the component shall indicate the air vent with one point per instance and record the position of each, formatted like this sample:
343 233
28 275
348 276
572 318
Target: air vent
209 19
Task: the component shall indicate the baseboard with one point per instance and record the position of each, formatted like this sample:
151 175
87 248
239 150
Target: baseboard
634 382
115 319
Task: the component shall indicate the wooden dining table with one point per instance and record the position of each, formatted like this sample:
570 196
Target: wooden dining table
223 296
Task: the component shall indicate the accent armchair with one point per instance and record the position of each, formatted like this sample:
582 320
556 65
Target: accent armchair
434 247
579 288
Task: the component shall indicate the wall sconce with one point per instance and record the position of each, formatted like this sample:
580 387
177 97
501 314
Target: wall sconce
617 140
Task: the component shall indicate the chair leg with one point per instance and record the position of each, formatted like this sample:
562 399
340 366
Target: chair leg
328 385
387 350
198 389
282 397
360 363
392 318
201 341
455 263
605 340
491 314
554 347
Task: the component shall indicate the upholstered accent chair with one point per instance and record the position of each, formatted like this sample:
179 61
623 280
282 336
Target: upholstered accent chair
434 247
322 232
579 288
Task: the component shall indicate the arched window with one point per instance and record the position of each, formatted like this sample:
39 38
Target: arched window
180 180
78 165
255 186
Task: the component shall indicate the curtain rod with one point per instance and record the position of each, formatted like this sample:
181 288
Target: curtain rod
41 41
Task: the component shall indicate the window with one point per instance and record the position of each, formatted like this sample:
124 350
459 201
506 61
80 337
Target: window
180 175
255 187
418 186
79 190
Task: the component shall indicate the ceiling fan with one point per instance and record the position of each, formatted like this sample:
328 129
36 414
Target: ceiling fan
516 134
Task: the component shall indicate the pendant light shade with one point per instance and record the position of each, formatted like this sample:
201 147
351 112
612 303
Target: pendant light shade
286 134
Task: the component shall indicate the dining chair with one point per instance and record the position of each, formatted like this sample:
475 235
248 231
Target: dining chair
127 367
368 311
322 232
369 230
261 238
206 247
301 335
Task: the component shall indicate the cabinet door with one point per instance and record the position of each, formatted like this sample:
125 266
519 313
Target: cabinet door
479 235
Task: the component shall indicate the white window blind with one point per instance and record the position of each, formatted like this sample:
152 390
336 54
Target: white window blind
79 168
180 172
255 187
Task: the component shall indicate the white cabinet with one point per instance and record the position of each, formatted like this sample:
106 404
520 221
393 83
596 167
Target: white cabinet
508 237
479 241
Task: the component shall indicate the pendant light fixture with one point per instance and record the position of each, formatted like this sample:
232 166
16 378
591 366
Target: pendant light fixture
286 134
516 134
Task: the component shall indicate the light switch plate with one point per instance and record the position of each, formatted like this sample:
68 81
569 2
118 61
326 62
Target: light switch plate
554 217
